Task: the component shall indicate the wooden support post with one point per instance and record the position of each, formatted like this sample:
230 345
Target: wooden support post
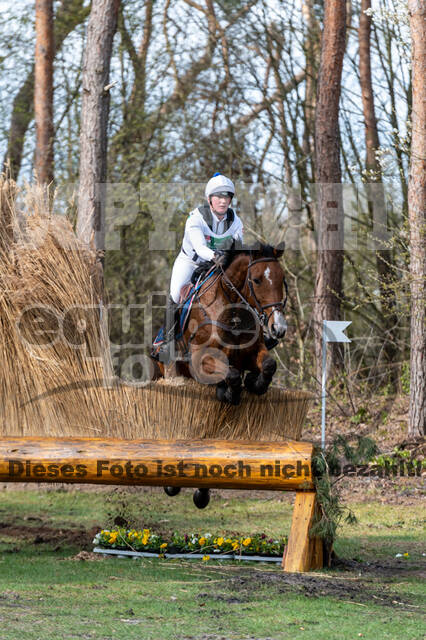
303 553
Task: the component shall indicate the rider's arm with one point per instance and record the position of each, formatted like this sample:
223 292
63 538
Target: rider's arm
238 235
197 239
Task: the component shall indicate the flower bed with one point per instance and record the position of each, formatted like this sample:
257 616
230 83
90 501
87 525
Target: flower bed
148 541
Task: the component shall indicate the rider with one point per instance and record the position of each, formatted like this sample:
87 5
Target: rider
209 230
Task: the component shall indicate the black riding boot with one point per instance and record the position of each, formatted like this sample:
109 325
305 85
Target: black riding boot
166 352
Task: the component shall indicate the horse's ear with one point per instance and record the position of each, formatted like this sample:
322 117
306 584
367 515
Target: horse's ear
279 250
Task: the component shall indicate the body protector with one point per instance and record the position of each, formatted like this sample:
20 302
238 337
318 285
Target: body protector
205 233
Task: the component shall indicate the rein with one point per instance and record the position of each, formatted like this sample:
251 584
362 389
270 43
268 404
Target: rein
261 315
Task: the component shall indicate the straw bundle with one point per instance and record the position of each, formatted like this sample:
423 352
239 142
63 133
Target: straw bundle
54 389
44 273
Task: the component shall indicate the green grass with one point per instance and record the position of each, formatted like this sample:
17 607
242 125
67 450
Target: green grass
46 593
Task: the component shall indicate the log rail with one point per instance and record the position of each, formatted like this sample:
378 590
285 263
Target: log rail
223 464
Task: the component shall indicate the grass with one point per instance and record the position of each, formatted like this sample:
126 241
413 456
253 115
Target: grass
46 592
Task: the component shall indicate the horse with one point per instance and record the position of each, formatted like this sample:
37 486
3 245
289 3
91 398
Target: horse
236 308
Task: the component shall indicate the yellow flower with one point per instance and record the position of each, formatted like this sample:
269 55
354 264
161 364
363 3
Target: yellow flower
406 555
206 558
163 546
220 541
202 540
246 542
228 541
235 545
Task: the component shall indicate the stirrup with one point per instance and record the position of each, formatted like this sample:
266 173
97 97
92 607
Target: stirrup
164 354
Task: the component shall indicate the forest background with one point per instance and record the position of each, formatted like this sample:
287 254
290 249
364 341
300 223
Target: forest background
283 96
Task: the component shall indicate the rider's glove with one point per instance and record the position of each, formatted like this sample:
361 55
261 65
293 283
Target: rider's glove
219 258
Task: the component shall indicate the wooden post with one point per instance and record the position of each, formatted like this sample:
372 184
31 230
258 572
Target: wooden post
303 553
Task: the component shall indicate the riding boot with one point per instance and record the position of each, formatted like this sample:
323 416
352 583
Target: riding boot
166 351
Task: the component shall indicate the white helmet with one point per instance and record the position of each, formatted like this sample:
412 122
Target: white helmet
219 184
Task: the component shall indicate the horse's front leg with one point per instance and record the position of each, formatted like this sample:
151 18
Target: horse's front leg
229 389
210 365
258 381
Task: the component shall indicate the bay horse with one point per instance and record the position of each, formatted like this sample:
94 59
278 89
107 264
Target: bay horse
235 308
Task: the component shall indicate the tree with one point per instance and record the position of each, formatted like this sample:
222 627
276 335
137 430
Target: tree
70 13
43 90
384 258
94 120
417 219
328 283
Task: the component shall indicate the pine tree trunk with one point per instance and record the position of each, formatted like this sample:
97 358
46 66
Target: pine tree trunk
69 14
384 257
417 219
328 284
312 51
94 120
43 90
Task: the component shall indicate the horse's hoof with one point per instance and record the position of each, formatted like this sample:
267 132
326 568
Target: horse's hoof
201 498
172 491
269 367
220 391
232 396
250 381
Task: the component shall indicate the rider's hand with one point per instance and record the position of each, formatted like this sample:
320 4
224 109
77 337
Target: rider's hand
219 258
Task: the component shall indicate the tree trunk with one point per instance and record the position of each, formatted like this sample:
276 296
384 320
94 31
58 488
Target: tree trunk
69 14
43 90
312 51
94 121
328 284
384 257
417 219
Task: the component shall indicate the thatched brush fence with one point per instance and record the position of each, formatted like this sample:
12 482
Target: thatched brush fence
49 388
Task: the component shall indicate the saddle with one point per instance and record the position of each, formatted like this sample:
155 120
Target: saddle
187 296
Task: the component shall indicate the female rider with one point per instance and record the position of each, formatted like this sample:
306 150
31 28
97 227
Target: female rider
209 230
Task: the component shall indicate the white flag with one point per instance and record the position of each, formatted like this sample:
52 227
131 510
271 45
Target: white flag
333 331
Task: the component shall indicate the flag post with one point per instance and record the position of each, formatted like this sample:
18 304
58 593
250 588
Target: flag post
323 382
332 331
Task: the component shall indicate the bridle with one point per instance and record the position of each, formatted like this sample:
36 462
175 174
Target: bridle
259 309
276 306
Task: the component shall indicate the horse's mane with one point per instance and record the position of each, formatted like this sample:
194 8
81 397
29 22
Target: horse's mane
264 250
257 250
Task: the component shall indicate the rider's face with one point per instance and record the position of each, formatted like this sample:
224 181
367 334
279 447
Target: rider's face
220 204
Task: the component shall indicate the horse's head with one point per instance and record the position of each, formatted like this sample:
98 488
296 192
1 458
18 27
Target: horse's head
267 289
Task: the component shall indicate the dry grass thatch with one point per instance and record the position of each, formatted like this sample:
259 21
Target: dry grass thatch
54 389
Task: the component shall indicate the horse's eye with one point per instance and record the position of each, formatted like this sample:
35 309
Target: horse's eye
256 280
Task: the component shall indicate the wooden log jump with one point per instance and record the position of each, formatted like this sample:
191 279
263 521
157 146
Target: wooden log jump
222 464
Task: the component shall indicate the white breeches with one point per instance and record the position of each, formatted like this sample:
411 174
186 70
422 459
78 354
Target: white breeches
183 269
